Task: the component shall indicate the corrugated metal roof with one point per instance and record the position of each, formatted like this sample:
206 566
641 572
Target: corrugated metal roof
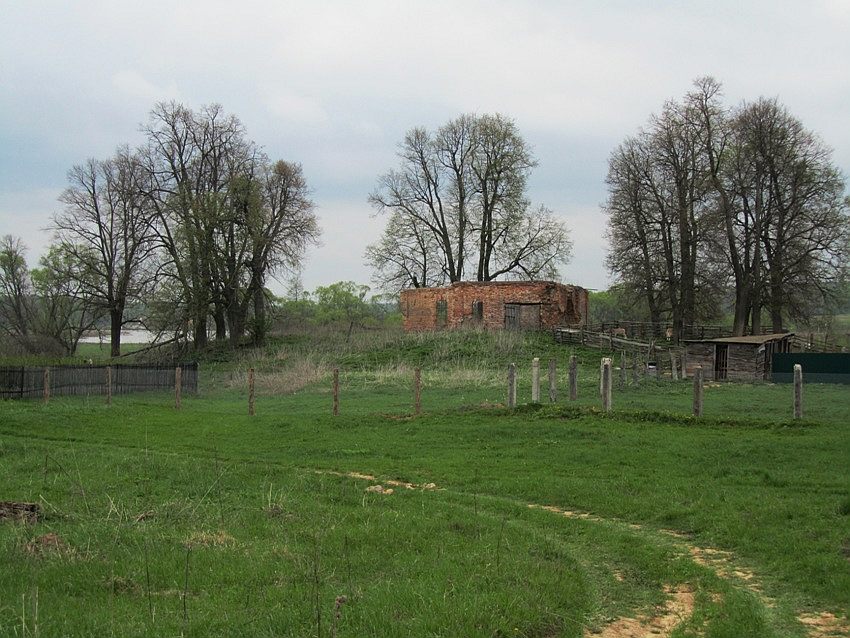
755 340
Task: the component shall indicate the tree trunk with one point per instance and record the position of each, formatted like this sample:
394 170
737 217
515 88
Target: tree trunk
199 331
742 307
259 317
116 317
220 323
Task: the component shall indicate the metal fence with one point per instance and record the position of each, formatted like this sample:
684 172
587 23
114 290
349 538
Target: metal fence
22 382
821 367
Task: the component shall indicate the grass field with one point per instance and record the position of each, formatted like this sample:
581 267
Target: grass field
551 520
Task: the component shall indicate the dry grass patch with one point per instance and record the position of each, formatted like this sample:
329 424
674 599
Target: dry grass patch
49 544
209 539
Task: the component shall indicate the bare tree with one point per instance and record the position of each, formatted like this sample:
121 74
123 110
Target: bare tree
709 190
459 198
500 167
191 160
105 228
806 231
406 255
16 291
636 253
273 224
659 215
225 217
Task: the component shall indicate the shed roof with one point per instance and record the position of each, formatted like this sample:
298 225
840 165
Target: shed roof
755 340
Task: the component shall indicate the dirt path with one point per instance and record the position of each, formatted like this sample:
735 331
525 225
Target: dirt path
679 606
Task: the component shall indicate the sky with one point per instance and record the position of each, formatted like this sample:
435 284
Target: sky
335 85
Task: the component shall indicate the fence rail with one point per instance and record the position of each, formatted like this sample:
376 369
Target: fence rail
21 382
661 333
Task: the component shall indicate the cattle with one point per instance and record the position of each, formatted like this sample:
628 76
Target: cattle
668 334
619 332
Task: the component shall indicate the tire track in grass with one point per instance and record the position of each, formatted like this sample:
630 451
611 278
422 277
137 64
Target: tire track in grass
679 605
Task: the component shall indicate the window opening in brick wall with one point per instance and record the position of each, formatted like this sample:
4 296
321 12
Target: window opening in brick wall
478 311
442 313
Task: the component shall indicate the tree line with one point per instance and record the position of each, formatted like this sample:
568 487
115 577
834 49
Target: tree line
706 204
710 202
189 226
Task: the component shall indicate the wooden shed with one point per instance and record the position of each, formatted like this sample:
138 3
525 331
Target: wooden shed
736 358
532 305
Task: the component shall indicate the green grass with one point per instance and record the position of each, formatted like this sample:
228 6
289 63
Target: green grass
271 540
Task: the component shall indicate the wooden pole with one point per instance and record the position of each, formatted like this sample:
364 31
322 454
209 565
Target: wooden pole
573 378
251 411
798 391
46 385
512 385
622 369
417 391
336 391
178 387
108 385
535 380
674 373
684 365
606 384
698 388
601 377
635 371
553 381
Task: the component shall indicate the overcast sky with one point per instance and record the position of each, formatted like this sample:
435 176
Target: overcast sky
335 85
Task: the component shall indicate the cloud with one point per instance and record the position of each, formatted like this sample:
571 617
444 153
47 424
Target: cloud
135 85
335 84
296 109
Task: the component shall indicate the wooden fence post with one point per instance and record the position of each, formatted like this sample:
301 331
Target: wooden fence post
573 378
674 373
553 381
606 384
535 380
635 371
46 385
698 391
684 365
336 391
798 391
417 391
178 387
108 385
512 385
601 377
250 391
622 369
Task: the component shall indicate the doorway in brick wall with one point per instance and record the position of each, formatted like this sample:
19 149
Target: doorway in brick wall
522 316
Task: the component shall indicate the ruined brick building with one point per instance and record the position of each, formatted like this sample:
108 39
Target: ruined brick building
531 305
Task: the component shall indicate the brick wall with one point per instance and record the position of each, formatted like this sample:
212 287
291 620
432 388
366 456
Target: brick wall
556 303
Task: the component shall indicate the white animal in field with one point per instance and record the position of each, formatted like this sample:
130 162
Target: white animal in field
619 332
668 334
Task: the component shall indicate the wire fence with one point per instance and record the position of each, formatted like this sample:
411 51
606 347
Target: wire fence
23 382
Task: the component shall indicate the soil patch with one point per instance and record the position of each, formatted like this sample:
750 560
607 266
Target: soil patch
678 608
15 511
825 625
373 479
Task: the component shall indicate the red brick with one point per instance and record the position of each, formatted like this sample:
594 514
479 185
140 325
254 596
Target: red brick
558 304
